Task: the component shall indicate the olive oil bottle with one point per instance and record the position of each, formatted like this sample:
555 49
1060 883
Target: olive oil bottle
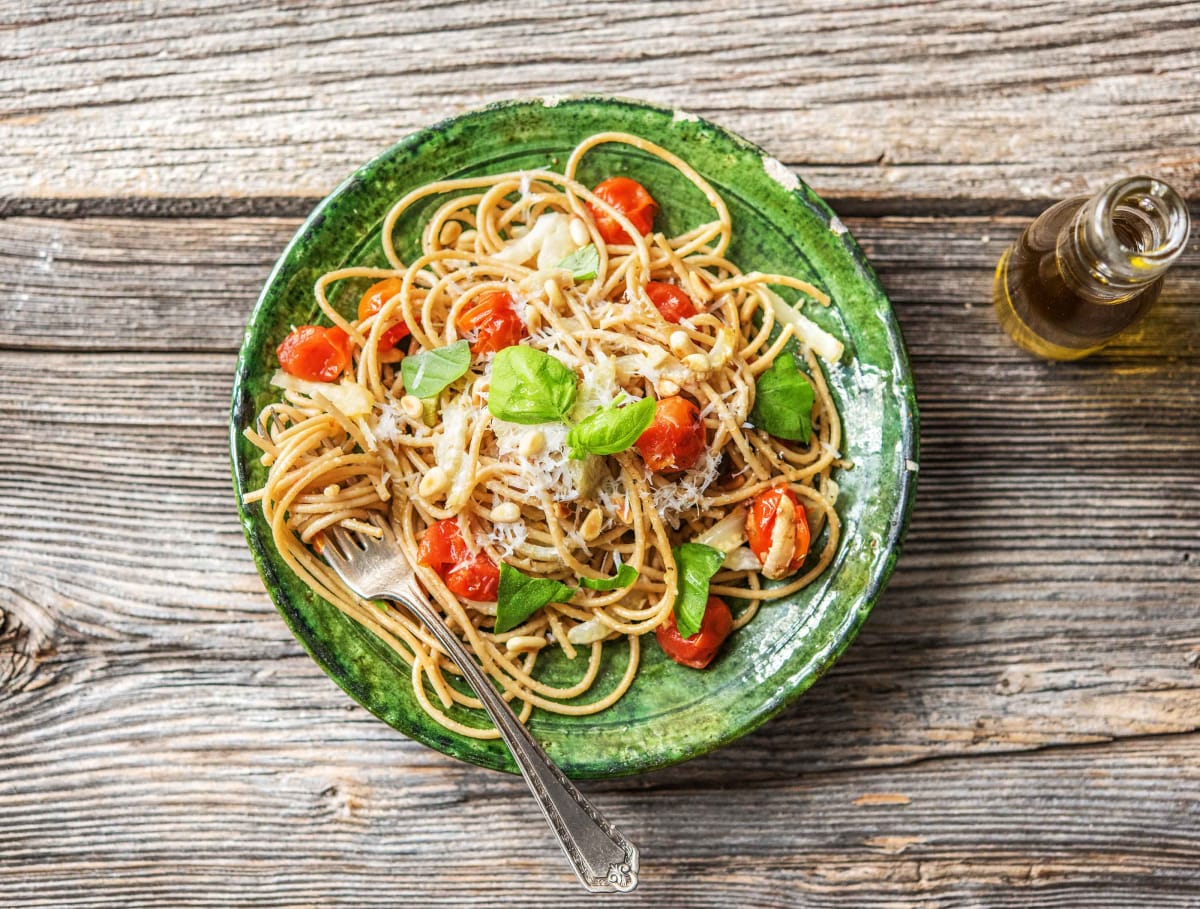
1088 268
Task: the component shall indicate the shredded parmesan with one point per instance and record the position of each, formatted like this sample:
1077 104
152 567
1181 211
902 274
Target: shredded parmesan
387 420
672 499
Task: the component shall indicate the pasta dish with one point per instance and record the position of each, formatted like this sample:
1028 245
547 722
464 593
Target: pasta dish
581 431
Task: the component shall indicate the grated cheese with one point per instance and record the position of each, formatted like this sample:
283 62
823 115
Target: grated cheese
506 538
671 500
386 422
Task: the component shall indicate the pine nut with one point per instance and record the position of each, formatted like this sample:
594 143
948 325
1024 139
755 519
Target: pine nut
697 362
412 407
525 642
579 232
592 525
433 483
506 513
451 231
666 388
332 490
533 443
681 344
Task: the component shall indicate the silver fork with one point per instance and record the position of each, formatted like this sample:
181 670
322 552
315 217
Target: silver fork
602 857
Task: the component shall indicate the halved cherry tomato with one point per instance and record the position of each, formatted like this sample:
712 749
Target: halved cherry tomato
674 440
698 650
760 528
632 200
471 576
372 301
496 322
315 353
671 301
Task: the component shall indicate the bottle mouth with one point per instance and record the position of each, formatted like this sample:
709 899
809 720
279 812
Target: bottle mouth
1134 230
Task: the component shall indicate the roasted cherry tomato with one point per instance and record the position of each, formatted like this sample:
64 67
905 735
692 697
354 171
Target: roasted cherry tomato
762 522
315 353
372 301
496 322
472 576
674 440
629 198
698 650
671 301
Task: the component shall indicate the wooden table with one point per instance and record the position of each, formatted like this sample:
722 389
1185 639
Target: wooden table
1016 726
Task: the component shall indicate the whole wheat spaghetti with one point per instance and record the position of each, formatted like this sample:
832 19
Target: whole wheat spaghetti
515 253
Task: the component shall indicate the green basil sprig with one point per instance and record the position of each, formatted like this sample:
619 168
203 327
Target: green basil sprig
696 564
428 372
625 576
783 400
529 386
583 263
520 596
609 430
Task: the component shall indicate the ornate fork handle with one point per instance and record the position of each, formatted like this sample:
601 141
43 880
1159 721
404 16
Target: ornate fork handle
602 858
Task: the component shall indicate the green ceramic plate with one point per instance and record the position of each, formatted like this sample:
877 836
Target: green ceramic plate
780 225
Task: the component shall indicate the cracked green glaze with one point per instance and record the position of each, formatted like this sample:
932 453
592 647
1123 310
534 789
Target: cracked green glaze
780 225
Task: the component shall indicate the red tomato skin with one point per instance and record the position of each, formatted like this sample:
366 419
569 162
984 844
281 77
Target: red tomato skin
467 575
477 579
372 301
496 322
671 301
675 439
632 200
314 353
760 523
698 650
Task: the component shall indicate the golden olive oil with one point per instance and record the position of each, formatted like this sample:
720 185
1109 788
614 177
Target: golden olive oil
1089 268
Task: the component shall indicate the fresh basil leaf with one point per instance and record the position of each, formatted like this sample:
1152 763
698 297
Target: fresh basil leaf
626 575
520 596
529 386
583 263
696 564
610 429
783 400
428 372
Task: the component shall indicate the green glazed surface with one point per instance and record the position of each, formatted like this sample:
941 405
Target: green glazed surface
780 225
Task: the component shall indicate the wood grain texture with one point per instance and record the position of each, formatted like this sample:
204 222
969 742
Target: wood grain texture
222 100
1016 726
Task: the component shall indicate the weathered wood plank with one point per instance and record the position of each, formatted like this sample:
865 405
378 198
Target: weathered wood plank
1016 726
925 101
246 807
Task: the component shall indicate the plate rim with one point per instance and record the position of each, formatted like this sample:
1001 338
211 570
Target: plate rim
451 744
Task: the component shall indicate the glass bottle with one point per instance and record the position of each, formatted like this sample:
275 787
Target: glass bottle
1088 268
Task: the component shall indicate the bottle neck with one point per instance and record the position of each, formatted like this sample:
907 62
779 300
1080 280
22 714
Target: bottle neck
1122 240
